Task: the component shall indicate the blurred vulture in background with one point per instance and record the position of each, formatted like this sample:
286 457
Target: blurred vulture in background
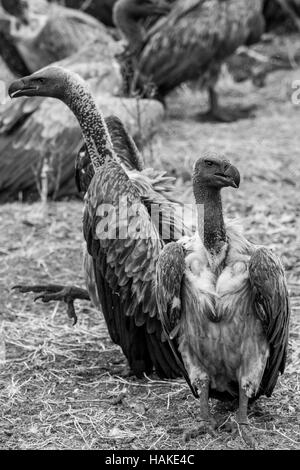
36 37
276 12
189 43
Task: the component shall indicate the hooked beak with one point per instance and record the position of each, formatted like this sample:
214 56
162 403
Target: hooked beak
230 176
22 87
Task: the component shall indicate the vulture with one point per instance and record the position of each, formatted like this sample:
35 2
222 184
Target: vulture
223 302
189 43
122 248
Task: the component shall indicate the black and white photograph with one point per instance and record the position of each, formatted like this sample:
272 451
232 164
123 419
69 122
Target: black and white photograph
150 227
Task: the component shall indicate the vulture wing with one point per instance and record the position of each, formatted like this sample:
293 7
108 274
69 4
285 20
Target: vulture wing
124 270
271 303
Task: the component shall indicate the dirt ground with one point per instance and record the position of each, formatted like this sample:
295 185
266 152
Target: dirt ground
62 387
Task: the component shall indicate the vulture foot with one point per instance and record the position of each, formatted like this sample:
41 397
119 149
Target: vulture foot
222 114
54 292
246 434
207 425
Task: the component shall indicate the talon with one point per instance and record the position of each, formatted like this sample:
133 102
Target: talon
241 430
71 312
245 433
206 426
54 292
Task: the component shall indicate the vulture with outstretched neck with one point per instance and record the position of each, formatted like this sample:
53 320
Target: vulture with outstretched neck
121 250
39 129
223 302
189 43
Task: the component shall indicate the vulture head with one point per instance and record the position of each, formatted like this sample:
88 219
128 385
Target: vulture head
54 82
212 171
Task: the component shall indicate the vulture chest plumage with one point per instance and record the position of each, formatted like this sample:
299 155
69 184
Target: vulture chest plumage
222 333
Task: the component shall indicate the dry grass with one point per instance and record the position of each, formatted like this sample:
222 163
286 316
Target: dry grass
62 386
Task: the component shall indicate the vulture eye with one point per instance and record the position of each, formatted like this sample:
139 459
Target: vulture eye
209 163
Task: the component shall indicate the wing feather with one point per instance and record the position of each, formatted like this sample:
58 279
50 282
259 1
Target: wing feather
128 265
169 277
271 303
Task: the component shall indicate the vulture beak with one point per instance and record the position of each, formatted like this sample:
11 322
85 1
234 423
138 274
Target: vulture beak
22 87
233 176
230 175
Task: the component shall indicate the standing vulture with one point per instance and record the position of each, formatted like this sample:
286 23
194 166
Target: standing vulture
189 43
223 302
122 248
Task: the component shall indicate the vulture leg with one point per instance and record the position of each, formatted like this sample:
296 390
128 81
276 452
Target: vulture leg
242 420
206 421
222 114
54 292
241 427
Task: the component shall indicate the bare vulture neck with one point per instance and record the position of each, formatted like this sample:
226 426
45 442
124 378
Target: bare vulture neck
210 216
92 123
